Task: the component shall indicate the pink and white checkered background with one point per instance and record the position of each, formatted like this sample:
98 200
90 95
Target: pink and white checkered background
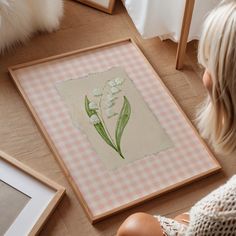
105 190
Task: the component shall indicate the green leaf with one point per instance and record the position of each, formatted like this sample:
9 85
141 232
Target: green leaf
122 122
99 127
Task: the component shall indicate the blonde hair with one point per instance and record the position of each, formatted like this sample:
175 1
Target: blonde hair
216 119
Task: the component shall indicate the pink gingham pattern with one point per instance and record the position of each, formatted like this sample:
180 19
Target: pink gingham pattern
105 190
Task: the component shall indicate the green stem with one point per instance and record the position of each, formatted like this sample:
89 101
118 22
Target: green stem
102 119
121 154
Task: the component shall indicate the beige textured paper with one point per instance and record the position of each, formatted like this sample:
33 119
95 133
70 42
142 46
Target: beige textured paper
12 202
143 134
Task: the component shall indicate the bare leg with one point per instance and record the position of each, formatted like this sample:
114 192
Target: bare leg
140 224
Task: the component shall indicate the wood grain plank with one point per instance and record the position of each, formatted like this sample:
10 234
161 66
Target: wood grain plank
83 27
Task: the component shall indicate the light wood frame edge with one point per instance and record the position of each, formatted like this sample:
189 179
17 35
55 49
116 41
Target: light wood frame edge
99 7
94 219
60 190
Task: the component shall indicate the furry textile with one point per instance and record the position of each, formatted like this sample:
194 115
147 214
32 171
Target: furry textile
20 18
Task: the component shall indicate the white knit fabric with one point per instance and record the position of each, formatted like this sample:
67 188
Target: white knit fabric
214 215
171 227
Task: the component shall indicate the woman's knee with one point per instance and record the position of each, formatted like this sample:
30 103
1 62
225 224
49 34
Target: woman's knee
140 224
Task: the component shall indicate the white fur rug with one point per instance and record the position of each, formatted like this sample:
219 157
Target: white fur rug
20 18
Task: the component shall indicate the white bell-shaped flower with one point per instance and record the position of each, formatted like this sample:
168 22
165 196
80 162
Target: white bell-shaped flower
112 83
93 105
110 112
108 104
114 90
110 97
119 80
97 92
94 119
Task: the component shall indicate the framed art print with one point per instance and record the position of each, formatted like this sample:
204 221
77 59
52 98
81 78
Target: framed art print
103 5
26 198
113 126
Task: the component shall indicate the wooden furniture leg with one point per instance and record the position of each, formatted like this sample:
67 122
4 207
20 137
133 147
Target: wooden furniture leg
188 12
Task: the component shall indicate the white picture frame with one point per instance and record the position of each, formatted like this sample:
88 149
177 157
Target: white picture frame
103 5
44 195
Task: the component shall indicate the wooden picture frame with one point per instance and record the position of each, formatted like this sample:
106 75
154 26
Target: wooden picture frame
198 159
105 7
13 171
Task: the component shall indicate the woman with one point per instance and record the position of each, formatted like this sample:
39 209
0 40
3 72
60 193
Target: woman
216 213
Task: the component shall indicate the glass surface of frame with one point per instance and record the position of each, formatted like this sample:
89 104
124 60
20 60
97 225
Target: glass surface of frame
40 196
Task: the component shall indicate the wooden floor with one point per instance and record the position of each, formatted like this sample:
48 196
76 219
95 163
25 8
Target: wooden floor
83 27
